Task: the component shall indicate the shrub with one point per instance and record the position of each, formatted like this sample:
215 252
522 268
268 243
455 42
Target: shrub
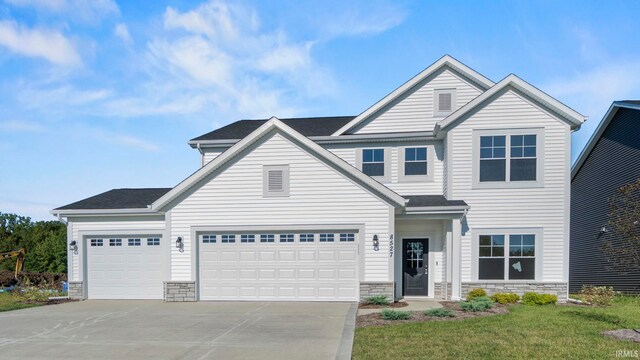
377 300
481 303
34 294
505 298
533 298
49 280
389 314
598 295
441 312
476 293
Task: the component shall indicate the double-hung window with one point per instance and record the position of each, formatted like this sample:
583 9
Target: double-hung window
415 161
508 158
507 255
373 162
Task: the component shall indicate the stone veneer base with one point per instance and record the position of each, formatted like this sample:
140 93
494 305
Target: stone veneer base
179 291
555 288
76 290
375 288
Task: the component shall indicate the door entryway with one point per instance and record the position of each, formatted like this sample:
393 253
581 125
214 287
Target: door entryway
415 267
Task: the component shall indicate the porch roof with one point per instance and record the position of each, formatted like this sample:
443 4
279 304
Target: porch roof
432 200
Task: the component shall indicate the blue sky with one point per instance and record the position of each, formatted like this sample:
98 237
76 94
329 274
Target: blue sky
96 95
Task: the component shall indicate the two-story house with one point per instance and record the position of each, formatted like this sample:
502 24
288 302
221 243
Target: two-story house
448 183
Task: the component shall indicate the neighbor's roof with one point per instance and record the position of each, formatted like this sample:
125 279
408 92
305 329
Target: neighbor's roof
118 199
310 126
602 126
432 200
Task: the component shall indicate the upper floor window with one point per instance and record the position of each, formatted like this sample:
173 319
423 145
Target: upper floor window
444 101
276 180
373 162
415 161
511 158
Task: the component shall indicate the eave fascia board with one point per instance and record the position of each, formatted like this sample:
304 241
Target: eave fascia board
574 118
483 82
436 209
385 137
105 212
271 124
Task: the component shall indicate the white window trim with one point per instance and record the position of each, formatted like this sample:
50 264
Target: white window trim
538 183
436 103
387 162
475 252
416 178
285 181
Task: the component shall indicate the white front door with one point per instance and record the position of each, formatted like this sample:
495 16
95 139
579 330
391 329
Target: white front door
124 267
285 265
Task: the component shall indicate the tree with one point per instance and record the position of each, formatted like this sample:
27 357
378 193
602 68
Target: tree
45 241
621 246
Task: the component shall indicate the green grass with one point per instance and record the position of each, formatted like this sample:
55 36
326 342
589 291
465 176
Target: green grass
551 331
9 301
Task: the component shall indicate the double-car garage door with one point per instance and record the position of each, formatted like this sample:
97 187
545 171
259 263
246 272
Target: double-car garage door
286 265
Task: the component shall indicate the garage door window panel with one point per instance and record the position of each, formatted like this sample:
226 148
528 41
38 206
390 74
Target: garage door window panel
134 242
307 238
115 242
209 239
287 238
96 242
228 238
247 238
153 242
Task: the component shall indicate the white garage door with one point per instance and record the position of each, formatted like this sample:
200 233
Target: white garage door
124 268
308 266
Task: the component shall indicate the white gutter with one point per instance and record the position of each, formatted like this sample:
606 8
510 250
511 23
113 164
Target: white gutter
389 137
105 212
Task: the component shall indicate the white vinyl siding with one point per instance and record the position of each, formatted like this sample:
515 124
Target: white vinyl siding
318 195
415 111
432 184
107 228
512 207
210 154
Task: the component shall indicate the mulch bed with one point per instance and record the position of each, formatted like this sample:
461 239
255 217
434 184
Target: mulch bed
624 334
50 302
418 316
390 305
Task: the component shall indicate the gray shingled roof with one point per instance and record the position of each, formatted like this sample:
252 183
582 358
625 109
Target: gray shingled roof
119 199
314 126
431 200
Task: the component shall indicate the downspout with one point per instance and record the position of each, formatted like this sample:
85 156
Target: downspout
60 218
201 154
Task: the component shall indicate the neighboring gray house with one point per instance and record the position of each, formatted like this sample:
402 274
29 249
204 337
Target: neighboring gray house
448 183
610 160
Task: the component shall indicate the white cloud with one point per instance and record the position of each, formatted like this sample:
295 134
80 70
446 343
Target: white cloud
219 51
86 10
122 32
21 126
136 142
47 44
592 92
369 20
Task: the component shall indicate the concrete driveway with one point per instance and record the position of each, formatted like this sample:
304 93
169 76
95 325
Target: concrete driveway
157 330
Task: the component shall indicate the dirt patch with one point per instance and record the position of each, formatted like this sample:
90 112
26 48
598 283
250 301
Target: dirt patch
624 334
419 316
391 305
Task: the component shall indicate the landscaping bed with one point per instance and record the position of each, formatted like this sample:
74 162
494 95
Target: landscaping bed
398 304
376 319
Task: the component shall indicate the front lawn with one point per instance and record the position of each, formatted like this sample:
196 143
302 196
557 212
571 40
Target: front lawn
550 331
9 301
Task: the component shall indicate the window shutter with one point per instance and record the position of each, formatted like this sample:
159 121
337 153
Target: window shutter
275 180
444 102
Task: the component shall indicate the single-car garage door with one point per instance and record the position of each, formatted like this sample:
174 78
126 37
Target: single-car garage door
124 268
304 266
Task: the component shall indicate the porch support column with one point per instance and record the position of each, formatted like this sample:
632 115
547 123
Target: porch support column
456 232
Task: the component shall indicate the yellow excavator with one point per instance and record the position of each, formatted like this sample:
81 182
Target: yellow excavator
20 253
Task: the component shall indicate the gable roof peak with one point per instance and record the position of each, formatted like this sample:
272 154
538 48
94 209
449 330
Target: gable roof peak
447 60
